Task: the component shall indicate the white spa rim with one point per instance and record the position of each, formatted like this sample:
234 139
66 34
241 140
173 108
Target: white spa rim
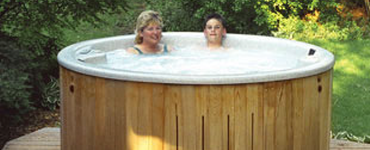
67 58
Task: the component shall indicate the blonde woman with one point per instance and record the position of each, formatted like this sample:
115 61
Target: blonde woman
148 34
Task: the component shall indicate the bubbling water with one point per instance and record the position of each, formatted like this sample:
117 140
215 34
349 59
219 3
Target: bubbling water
195 61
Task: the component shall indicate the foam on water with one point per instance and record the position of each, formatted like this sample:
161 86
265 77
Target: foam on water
249 59
195 61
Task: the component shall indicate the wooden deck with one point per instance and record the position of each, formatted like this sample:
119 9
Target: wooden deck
49 139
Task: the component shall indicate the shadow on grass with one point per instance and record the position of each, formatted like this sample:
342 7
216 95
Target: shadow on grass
351 85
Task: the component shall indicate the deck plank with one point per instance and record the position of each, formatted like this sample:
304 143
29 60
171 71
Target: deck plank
43 139
49 139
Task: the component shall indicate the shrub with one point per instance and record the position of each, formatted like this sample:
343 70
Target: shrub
344 135
296 28
50 94
31 35
14 81
243 16
23 74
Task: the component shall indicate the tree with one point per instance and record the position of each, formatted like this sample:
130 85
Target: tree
367 5
35 22
31 34
243 16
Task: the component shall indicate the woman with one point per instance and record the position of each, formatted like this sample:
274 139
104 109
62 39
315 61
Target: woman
214 31
148 34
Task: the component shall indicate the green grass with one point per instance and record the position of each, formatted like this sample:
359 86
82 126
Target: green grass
351 85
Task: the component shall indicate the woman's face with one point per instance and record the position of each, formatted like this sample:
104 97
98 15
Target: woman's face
214 31
152 34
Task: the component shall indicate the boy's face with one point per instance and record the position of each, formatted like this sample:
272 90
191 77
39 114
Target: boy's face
214 31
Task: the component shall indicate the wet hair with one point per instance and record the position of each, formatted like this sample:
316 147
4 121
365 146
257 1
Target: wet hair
214 16
146 18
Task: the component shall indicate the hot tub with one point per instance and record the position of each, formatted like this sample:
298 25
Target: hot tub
115 109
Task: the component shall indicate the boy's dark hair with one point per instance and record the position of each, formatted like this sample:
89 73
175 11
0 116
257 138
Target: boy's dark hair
214 16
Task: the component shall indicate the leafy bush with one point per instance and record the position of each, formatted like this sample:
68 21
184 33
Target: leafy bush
344 135
243 16
296 28
31 35
14 80
50 94
35 22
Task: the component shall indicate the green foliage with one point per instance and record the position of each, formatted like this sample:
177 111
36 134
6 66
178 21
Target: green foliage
34 22
31 35
14 81
111 25
296 28
351 3
243 16
344 135
50 94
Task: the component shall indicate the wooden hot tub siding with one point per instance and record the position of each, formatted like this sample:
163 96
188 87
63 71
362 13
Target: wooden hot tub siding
107 114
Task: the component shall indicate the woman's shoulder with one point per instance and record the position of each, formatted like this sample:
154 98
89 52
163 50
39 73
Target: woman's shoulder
134 50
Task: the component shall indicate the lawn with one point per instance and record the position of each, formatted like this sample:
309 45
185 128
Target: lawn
351 85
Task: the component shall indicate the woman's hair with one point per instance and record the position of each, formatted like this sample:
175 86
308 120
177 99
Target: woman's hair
214 16
146 18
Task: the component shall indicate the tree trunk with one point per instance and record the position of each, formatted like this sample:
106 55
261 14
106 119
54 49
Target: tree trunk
367 5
